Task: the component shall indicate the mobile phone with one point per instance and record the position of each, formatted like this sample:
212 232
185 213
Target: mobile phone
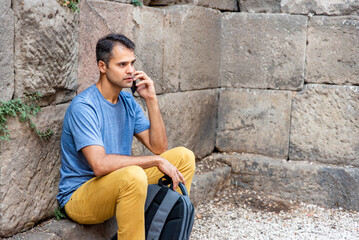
134 87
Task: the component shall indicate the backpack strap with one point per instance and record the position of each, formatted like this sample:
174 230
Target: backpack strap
161 215
168 181
152 191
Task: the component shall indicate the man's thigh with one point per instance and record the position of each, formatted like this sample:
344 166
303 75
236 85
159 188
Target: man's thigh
95 201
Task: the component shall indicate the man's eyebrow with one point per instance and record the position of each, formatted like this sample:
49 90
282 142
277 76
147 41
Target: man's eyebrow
126 61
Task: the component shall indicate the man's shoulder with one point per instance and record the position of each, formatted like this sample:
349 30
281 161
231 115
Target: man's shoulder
85 96
83 100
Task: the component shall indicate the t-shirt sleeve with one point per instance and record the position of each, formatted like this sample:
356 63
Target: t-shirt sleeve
141 122
84 126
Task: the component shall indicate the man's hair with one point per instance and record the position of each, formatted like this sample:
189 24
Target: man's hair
105 45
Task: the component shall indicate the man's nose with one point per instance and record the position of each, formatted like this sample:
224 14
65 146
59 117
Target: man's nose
131 69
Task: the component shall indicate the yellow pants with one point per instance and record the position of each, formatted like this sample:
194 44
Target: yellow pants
123 193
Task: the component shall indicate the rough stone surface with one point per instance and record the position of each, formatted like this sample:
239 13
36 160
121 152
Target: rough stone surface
228 5
254 121
105 17
323 7
155 33
145 2
120 1
199 67
7 22
171 43
149 37
172 51
325 125
190 119
300 181
333 50
29 172
46 49
35 236
156 52
166 2
5 4
67 229
263 50
206 186
260 6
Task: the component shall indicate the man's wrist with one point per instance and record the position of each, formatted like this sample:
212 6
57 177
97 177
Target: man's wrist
158 161
152 99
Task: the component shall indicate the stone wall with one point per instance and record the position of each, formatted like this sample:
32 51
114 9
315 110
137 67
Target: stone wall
289 91
249 76
38 52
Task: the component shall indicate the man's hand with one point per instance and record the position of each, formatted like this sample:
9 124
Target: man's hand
155 138
145 87
167 168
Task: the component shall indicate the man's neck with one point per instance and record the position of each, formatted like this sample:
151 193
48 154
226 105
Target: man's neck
108 91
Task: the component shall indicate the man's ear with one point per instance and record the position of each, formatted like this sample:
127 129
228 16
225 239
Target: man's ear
102 66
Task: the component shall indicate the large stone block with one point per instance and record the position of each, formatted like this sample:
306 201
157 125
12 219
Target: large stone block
260 6
7 22
5 5
172 44
67 229
333 50
300 181
172 51
321 7
227 5
46 50
199 47
224 5
325 125
155 33
207 185
149 36
254 121
190 119
263 50
98 18
29 172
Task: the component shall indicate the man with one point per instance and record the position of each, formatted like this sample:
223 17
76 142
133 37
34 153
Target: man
99 177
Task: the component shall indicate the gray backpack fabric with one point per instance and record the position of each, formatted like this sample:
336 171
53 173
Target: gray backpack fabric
168 214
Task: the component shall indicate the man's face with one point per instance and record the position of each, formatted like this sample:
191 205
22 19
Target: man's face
120 69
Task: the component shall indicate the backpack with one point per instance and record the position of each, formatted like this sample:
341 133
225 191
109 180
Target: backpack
168 214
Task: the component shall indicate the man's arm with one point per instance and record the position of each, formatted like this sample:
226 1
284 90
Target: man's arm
102 163
155 138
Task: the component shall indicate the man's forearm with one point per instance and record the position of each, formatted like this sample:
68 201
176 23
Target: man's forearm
157 132
113 162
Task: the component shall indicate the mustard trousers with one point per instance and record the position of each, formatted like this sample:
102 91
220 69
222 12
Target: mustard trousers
123 193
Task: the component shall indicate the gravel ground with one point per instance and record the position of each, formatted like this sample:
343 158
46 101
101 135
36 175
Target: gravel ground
242 214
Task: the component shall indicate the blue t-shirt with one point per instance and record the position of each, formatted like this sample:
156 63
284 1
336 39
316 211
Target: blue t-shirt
92 120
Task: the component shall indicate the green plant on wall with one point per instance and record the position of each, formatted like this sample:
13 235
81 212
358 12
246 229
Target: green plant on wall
24 108
137 3
72 4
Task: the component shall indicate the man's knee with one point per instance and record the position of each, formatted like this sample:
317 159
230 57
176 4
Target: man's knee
132 178
188 157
